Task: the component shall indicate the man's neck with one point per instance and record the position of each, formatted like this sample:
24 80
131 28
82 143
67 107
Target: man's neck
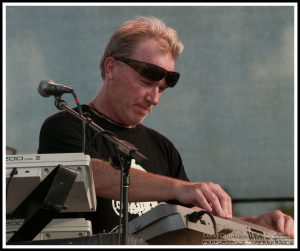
102 114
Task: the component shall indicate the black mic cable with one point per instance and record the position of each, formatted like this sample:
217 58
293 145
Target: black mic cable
83 124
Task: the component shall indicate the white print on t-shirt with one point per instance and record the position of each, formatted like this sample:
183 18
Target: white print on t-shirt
135 207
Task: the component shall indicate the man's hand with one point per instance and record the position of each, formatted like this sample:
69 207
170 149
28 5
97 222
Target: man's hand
275 220
206 195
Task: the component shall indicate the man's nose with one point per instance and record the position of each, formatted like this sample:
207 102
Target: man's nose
153 95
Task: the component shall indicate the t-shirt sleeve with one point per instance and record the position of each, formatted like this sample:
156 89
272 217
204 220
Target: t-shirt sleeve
178 171
178 168
61 134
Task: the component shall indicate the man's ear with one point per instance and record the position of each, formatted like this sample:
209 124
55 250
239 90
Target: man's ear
109 63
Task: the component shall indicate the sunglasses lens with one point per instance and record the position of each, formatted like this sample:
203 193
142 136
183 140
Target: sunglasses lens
152 73
155 73
172 78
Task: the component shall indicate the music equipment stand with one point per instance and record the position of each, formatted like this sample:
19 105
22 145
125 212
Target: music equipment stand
43 204
126 152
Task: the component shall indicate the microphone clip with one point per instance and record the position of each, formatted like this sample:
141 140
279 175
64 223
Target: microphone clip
59 103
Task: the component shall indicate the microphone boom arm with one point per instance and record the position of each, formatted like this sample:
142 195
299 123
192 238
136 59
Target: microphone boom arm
123 146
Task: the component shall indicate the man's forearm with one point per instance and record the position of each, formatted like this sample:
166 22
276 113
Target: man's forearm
152 187
143 186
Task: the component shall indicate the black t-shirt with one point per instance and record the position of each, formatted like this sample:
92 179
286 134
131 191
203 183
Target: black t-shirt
63 133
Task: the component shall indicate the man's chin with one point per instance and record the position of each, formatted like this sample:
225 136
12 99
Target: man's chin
139 119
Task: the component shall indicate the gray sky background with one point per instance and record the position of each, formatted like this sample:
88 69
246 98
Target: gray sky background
231 115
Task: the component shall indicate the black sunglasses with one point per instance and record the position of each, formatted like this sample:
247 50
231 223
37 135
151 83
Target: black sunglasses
151 72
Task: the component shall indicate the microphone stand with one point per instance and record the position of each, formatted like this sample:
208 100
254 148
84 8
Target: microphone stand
126 151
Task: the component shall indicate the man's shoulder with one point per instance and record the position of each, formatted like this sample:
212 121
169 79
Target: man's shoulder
64 115
152 133
149 130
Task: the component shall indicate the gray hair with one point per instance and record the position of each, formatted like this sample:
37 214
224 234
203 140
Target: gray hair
124 41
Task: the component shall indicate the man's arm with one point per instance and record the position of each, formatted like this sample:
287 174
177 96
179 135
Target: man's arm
148 187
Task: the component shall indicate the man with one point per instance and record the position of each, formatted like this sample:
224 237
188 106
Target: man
137 67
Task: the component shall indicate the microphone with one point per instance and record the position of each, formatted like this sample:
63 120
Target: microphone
47 88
